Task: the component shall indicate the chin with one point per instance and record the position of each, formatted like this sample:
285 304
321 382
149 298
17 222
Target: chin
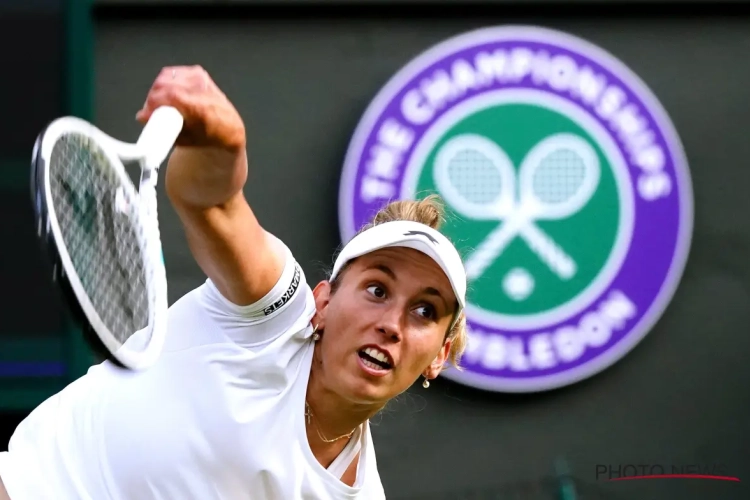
364 391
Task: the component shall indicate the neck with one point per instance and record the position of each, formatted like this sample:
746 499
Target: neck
332 417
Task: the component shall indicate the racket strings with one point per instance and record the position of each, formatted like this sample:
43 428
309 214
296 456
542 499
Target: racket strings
559 176
100 233
121 234
475 177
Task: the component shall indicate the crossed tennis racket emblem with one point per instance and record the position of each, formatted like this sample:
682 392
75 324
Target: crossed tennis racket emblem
556 179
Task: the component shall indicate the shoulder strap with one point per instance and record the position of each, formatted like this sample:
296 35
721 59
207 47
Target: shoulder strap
339 466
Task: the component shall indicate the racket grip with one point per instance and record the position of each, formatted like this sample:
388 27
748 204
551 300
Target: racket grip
159 135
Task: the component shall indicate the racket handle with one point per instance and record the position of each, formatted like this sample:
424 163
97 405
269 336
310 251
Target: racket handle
159 135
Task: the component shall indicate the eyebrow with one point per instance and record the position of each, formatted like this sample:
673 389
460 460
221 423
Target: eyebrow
429 290
385 270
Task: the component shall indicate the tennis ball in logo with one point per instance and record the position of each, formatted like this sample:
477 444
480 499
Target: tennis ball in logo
586 235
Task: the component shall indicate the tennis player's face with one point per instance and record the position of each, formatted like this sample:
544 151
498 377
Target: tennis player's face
384 326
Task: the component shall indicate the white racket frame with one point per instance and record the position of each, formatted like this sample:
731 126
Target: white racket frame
154 144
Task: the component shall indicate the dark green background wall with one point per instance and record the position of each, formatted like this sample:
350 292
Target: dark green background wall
32 92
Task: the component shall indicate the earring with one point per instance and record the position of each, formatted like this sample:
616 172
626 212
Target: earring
315 334
426 383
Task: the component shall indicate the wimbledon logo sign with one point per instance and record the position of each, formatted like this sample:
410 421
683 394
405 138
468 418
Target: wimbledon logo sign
568 192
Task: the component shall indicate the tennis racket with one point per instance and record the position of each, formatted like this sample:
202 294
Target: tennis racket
102 234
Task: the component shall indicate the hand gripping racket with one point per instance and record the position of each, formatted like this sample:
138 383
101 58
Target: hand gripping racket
102 235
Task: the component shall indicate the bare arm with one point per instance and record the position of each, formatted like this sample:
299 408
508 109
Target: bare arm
205 176
3 493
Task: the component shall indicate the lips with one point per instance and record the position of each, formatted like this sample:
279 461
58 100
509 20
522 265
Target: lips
375 358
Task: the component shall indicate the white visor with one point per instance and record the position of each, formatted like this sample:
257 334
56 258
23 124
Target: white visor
411 235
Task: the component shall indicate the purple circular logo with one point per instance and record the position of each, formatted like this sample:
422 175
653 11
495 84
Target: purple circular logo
568 192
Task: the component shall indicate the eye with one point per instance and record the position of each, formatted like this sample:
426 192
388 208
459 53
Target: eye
376 290
427 311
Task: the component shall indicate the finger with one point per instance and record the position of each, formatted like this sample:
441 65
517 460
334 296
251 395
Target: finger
198 80
171 93
176 96
194 77
190 79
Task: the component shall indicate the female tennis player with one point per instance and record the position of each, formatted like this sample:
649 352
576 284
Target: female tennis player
265 386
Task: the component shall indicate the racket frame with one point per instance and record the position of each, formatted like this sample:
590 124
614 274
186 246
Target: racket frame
152 148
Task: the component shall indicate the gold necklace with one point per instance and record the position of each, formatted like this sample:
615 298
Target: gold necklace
309 414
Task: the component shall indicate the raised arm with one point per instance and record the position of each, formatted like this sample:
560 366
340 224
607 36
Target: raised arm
205 176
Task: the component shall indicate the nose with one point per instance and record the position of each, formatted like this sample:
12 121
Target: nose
389 324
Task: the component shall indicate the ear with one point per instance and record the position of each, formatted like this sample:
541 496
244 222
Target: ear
322 294
436 366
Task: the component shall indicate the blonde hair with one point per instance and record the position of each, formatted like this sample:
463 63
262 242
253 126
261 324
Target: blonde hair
430 212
